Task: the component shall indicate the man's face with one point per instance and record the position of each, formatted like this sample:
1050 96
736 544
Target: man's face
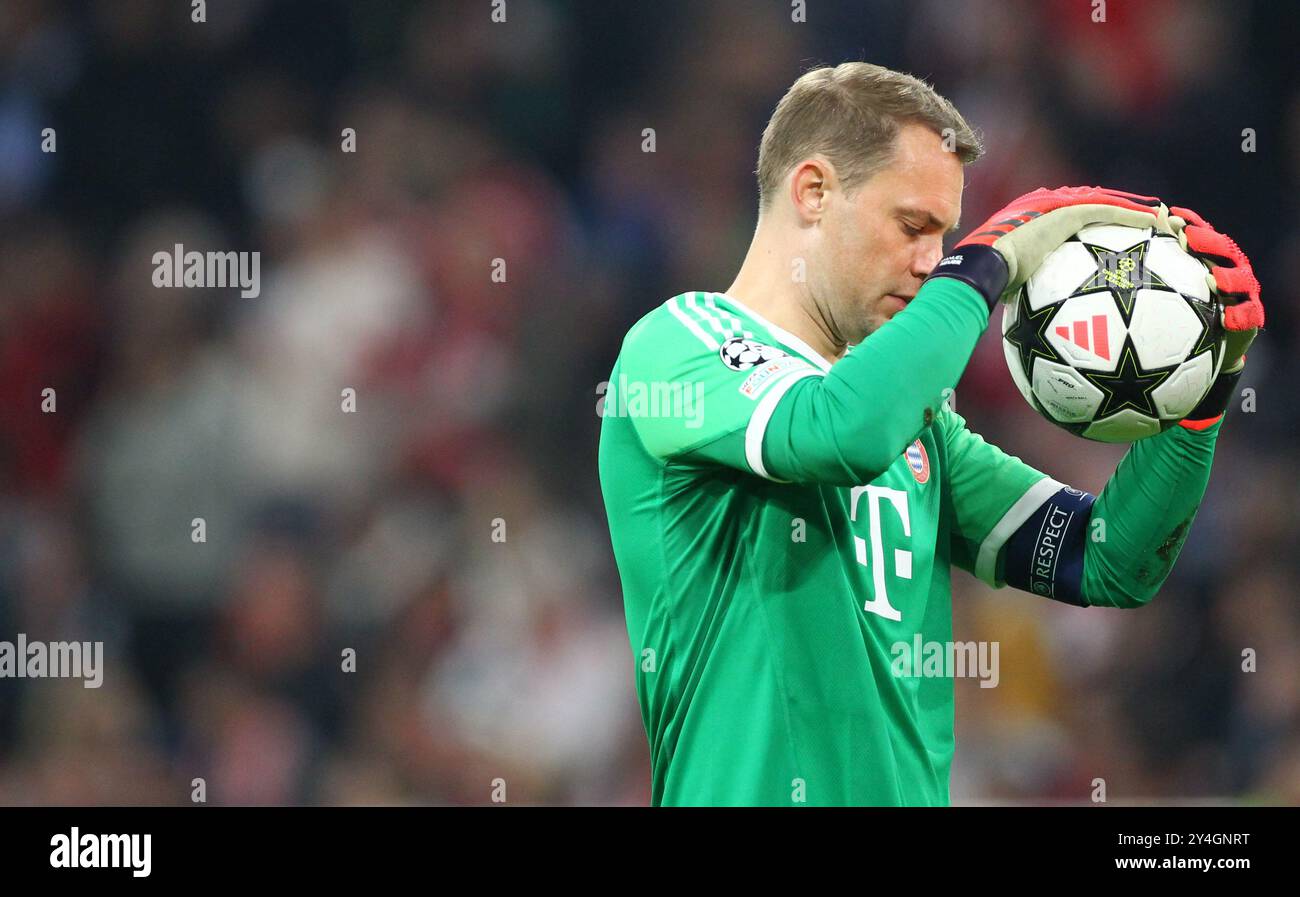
882 242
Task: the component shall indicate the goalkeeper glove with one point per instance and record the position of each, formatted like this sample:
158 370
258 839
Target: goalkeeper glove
1233 281
1000 255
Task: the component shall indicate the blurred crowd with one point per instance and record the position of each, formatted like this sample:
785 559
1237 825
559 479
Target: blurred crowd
448 534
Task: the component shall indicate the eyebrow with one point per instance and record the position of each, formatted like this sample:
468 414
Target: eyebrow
931 221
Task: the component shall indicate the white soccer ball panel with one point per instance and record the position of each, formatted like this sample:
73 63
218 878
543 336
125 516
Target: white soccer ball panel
1184 388
1066 268
1115 237
1123 426
1164 328
1011 313
1088 331
1064 393
1181 271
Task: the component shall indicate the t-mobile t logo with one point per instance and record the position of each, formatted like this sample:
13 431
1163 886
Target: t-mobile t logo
879 603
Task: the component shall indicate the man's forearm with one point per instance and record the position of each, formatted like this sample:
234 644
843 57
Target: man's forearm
849 426
1141 519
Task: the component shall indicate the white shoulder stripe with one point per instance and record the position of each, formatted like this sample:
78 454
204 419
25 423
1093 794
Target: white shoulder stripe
762 415
987 561
675 310
727 317
708 318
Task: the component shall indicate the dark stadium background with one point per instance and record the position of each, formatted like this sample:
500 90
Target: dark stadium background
479 660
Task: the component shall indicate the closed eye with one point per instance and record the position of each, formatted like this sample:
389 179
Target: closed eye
908 214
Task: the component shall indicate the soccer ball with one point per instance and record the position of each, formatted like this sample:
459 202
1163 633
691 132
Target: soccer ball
1116 336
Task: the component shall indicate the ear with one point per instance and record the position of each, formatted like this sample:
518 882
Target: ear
810 184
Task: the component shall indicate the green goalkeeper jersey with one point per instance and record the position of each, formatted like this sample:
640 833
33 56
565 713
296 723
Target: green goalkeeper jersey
777 563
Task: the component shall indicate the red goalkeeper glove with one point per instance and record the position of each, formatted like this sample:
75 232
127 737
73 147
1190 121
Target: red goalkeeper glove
1233 280
1000 255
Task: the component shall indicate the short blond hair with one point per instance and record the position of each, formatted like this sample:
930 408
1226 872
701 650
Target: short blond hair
851 114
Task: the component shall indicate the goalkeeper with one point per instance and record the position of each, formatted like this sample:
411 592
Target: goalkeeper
776 542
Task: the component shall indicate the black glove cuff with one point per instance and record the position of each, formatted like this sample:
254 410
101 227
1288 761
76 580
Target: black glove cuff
983 267
1217 399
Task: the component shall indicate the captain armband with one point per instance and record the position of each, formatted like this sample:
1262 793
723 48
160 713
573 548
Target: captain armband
1045 555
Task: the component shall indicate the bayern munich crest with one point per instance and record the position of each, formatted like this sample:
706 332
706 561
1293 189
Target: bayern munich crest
918 461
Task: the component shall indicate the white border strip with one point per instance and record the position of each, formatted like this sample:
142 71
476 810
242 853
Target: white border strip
758 421
987 561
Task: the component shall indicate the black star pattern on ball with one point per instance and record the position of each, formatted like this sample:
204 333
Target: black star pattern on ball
1211 329
1129 386
1121 273
1029 334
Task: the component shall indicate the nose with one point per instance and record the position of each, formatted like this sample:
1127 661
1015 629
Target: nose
928 253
